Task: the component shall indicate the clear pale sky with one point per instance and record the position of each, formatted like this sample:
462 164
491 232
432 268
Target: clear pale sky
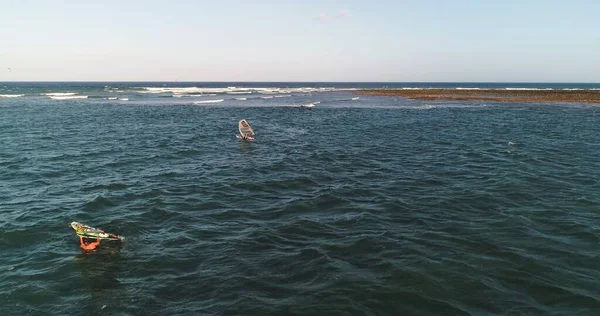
420 40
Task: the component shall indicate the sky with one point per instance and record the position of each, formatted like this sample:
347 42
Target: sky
361 41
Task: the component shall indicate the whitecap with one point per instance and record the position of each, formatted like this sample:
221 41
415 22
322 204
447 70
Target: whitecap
208 101
527 89
11 95
233 90
191 90
59 94
70 97
311 105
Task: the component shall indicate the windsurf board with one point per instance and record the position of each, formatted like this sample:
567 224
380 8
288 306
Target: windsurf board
91 232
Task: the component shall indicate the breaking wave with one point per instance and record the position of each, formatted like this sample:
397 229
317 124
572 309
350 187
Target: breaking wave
311 105
527 89
69 97
231 90
59 94
208 101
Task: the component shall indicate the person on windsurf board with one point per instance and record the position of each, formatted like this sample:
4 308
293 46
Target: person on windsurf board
89 245
87 234
246 132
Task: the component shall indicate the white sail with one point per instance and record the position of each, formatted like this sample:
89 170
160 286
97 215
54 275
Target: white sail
245 128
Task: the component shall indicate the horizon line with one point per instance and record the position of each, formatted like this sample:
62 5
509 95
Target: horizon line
262 81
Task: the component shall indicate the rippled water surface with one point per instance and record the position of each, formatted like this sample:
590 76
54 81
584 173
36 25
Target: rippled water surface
375 206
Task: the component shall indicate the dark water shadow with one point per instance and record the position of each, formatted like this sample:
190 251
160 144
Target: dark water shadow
246 147
100 270
99 267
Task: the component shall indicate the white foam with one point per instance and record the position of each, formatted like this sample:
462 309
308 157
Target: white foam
208 101
191 90
11 95
459 88
356 98
241 99
311 105
270 97
283 96
233 90
170 90
527 89
59 94
123 99
178 95
69 97
112 98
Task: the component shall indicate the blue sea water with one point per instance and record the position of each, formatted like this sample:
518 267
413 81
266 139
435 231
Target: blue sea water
344 205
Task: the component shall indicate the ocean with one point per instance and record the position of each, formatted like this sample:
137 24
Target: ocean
344 205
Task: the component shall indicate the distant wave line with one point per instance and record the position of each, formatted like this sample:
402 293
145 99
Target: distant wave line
70 97
59 94
233 90
209 101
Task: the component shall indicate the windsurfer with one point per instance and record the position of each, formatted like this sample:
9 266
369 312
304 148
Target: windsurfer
246 132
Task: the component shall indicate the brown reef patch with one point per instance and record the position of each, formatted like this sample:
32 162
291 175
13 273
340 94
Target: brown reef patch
578 96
